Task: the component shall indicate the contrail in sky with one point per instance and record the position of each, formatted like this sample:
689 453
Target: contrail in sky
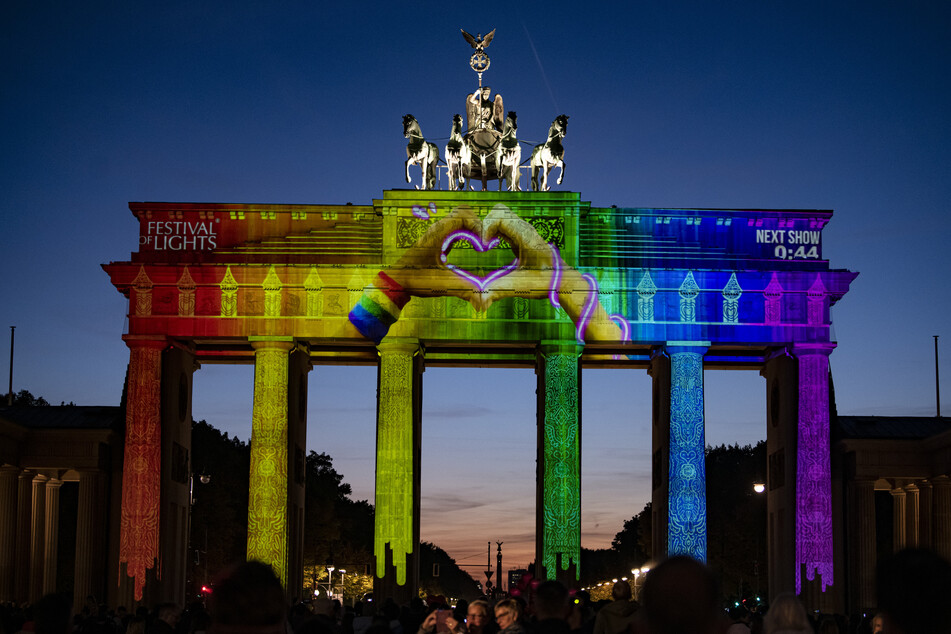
541 68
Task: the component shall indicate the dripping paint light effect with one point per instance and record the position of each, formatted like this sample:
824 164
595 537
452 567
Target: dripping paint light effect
393 528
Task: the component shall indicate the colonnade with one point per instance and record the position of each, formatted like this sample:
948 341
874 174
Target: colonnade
920 518
154 510
29 532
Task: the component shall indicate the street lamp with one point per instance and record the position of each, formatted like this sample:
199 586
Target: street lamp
759 487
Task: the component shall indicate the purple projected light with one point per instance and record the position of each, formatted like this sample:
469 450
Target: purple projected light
813 468
555 277
481 247
623 324
422 212
589 303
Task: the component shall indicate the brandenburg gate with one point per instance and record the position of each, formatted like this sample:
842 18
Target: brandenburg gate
454 278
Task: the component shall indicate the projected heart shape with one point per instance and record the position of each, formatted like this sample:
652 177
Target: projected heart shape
476 241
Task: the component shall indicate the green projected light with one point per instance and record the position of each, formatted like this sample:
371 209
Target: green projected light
267 499
394 459
562 478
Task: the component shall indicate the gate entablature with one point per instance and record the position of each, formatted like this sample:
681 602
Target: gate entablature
735 278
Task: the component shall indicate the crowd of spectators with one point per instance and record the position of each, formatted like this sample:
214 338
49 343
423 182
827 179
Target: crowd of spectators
679 596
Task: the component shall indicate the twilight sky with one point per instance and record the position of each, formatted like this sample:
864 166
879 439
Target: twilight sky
841 106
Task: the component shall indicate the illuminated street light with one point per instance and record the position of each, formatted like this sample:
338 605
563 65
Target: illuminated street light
759 487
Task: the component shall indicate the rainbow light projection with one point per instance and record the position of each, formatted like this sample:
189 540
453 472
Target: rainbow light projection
813 467
562 477
687 504
141 477
394 459
267 499
684 278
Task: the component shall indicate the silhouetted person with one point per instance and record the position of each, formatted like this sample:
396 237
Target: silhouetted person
914 593
551 609
786 615
166 618
53 615
618 615
681 596
248 599
739 617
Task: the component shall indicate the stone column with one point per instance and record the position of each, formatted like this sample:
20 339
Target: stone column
142 475
941 539
925 514
687 495
178 368
659 371
8 531
267 501
51 535
298 367
38 538
396 522
814 549
89 527
899 519
24 536
558 477
862 542
912 510
781 372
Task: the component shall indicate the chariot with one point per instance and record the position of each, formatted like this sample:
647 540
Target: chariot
489 149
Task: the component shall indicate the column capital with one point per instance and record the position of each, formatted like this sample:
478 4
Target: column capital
272 343
145 341
695 347
406 345
548 347
803 349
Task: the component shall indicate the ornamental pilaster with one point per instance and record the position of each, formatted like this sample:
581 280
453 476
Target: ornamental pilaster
559 458
141 476
267 499
813 467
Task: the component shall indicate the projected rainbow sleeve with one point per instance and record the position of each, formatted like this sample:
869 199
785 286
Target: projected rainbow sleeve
379 307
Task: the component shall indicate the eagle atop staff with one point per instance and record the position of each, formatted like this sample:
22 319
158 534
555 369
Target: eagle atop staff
479 43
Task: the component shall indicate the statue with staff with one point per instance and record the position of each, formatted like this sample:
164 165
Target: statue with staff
482 113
